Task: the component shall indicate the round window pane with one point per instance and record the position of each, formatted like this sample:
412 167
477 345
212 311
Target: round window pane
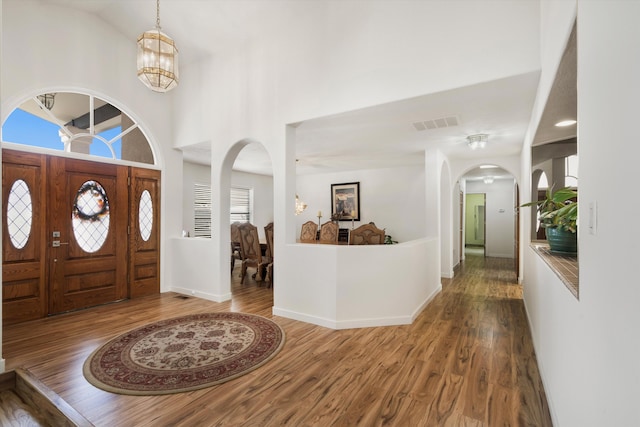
19 214
90 216
145 215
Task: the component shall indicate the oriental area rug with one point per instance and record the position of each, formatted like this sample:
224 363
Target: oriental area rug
183 354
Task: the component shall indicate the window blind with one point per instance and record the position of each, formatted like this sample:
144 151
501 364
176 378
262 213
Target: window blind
240 204
202 210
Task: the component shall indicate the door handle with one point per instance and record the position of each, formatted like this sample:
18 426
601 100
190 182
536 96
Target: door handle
58 243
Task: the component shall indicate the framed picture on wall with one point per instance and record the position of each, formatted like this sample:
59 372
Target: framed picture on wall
345 201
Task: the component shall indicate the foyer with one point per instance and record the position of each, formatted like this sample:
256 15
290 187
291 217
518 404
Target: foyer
468 359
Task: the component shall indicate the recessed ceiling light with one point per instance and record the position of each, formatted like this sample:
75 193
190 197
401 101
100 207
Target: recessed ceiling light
566 123
487 166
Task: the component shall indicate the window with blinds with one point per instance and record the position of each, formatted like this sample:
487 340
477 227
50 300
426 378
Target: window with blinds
240 204
202 210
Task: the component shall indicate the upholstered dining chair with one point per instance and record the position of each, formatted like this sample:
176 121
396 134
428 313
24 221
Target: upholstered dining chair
251 252
236 250
268 232
308 233
367 234
329 233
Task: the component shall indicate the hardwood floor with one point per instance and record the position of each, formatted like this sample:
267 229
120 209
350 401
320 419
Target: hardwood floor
467 360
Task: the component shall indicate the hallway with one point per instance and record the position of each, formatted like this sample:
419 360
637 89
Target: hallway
466 360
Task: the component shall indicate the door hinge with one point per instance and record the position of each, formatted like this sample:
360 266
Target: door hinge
128 230
129 181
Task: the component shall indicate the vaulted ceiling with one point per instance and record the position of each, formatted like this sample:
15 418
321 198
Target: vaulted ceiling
389 135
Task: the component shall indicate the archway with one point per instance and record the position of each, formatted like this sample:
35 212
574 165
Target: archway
250 196
497 187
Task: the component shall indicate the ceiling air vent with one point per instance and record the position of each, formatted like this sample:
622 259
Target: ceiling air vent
443 122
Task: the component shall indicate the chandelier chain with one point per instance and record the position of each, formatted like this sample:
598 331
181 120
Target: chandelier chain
158 14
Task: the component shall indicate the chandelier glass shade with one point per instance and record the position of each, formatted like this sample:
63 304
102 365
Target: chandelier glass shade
157 58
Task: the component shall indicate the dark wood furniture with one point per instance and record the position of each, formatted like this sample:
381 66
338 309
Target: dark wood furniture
251 251
268 232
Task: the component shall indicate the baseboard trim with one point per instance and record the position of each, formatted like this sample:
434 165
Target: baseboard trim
203 295
357 323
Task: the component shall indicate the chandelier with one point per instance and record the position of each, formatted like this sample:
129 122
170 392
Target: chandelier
477 141
157 58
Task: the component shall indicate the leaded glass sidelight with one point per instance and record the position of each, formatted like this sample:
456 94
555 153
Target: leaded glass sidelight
19 214
145 215
90 216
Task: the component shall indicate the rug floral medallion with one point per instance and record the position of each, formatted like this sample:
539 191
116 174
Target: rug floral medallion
184 353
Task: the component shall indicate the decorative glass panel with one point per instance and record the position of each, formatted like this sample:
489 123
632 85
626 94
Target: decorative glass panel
90 216
19 214
145 215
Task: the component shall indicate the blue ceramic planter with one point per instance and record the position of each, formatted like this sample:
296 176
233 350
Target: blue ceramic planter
562 242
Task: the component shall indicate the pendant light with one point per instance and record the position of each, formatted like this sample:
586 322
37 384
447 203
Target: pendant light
157 58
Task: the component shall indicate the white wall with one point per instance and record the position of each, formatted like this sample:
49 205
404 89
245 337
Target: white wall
393 198
588 349
345 286
262 186
499 216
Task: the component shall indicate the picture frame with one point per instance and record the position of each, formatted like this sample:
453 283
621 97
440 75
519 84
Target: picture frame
345 201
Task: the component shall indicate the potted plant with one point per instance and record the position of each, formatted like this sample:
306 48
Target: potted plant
558 215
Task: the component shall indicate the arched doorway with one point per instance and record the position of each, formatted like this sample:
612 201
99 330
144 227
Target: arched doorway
488 224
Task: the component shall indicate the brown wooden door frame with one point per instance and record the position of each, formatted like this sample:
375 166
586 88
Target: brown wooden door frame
144 255
24 293
40 279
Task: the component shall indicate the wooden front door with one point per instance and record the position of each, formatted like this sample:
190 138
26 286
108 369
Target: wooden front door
144 237
76 234
24 184
88 217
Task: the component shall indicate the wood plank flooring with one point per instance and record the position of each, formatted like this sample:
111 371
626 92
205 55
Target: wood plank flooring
467 360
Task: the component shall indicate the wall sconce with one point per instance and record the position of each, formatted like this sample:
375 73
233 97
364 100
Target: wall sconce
300 205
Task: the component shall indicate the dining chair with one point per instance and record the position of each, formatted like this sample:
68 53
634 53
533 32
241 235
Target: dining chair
308 233
268 232
251 251
367 234
329 233
236 250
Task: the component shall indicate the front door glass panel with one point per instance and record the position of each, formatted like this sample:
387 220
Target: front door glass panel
19 214
145 215
90 216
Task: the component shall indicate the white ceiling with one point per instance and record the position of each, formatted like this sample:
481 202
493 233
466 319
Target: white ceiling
379 136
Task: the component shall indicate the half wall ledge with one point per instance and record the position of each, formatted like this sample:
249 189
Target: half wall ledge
564 266
343 287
